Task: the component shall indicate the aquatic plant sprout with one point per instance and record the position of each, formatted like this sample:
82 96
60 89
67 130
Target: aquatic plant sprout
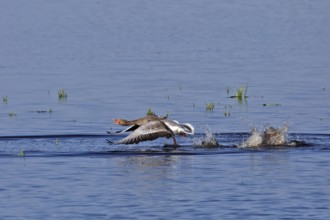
150 112
62 94
12 114
239 92
5 99
210 106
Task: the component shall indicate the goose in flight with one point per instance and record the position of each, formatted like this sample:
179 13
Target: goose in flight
152 127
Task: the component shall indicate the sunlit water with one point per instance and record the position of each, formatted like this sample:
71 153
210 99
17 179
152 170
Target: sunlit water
120 58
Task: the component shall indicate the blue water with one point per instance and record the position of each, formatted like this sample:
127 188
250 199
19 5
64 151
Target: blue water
120 58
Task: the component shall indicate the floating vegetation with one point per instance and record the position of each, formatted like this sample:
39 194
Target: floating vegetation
62 95
39 111
5 99
209 106
42 111
12 114
150 112
275 104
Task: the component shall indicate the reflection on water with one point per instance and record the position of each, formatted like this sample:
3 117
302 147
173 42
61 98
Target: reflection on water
269 160
150 161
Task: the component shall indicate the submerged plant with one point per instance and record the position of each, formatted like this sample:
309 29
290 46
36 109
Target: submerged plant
62 94
209 107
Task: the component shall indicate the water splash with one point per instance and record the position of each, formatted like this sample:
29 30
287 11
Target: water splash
254 140
269 137
208 140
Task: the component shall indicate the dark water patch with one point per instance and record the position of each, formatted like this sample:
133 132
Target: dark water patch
128 152
95 145
151 153
49 136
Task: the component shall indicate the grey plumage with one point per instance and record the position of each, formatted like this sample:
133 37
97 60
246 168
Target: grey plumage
150 128
147 132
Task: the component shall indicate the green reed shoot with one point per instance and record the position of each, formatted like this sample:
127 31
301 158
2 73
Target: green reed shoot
21 153
62 94
12 114
228 90
209 106
5 99
150 112
239 92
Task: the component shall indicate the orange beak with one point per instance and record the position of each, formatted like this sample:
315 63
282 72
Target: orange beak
117 121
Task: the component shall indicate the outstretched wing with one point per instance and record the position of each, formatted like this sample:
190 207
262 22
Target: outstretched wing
131 128
147 132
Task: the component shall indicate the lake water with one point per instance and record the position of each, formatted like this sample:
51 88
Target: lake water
120 58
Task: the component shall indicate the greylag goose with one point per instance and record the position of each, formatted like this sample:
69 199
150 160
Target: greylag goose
152 127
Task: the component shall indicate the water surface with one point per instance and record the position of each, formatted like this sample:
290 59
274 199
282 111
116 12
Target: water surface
117 59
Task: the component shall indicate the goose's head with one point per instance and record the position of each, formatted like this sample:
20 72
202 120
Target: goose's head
189 128
120 121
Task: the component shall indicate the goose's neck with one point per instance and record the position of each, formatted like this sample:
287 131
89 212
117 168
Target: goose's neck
127 123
